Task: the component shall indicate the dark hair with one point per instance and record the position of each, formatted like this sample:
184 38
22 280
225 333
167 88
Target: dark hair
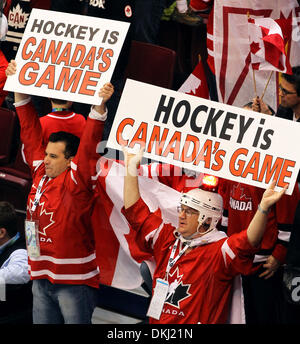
58 101
71 141
294 78
8 218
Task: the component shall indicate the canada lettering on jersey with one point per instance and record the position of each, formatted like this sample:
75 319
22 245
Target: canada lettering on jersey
240 205
17 18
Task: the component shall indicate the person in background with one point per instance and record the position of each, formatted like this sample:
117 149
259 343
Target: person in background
15 285
195 263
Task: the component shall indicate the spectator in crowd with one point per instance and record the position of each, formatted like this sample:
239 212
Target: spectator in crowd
289 92
196 260
185 15
18 12
62 118
15 285
61 247
263 287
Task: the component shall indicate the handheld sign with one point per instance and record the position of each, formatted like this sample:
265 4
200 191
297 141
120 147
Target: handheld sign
206 136
67 56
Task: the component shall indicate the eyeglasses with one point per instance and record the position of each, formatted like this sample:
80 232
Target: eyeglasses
285 92
187 211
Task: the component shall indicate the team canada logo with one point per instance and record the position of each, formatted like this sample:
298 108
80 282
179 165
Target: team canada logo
177 290
239 200
17 18
128 11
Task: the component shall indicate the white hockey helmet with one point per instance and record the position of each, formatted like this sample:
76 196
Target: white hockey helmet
209 204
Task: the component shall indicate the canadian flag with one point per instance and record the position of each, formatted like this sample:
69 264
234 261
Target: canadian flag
229 56
196 83
267 45
117 253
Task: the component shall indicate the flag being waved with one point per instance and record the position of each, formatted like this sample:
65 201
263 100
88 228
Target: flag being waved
267 45
196 84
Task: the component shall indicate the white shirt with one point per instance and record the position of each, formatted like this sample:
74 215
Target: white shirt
15 269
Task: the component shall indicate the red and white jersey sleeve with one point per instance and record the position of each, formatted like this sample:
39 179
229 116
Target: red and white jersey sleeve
31 134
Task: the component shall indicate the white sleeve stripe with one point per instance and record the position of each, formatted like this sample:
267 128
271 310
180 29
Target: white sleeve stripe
154 234
284 236
144 170
73 166
37 164
73 178
154 172
258 258
23 155
227 250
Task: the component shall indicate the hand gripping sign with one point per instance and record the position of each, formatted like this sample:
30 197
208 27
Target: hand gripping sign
67 56
206 136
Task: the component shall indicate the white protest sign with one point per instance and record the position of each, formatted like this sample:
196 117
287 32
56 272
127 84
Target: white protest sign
67 56
207 136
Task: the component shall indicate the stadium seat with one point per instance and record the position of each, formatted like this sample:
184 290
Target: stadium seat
18 167
8 128
151 64
15 184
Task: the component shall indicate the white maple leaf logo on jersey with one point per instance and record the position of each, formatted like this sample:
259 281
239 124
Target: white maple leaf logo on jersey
17 18
237 192
47 217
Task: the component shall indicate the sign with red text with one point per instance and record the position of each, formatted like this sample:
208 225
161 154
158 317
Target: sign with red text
206 136
67 56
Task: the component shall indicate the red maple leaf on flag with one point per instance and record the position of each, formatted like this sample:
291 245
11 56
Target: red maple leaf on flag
254 47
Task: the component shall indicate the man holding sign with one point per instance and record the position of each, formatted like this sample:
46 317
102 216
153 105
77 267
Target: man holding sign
58 231
195 263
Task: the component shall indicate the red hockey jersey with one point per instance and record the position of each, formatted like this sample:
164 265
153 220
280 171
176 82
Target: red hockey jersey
201 281
66 237
240 204
68 121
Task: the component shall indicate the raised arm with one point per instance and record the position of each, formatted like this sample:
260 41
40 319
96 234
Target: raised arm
11 70
84 163
257 226
131 185
31 130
